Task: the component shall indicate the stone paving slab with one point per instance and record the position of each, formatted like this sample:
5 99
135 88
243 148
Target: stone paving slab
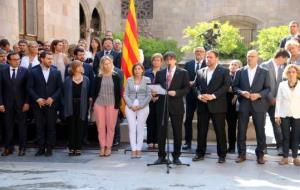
119 171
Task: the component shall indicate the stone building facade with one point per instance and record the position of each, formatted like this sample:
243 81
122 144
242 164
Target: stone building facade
72 19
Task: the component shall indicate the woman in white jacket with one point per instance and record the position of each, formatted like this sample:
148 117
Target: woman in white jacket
137 97
287 112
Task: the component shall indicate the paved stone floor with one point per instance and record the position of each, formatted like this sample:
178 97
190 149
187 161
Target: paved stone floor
119 171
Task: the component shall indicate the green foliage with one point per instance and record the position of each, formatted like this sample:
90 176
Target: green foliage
230 44
268 40
153 45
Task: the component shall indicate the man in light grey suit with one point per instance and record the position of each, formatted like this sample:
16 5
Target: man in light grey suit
252 85
275 67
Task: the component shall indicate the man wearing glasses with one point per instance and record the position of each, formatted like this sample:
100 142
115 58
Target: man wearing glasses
14 102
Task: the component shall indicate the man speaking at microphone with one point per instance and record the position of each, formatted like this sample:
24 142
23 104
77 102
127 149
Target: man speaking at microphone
176 81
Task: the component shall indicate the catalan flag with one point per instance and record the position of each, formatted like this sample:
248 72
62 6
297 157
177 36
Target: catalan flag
130 51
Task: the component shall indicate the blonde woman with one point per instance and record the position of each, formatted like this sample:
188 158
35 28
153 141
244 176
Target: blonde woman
106 100
287 112
137 97
31 59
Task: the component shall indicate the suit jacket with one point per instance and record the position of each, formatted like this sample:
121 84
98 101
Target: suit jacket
13 91
143 94
180 84
260 84
39 88
88 72
116 56
190 67
68 97
274 82
218 85
3 65
117 90
284 40
288 101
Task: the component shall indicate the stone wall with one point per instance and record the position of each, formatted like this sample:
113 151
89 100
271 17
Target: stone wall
9 19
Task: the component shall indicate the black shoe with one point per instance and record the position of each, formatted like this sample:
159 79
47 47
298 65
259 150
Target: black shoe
198 157
48 152
116 143
21 152
160 160
177 161
40 152
186 147
279 151
71 152
221 160
231 151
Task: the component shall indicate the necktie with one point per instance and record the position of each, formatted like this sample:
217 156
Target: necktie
197 67
169 78
106 52
13 77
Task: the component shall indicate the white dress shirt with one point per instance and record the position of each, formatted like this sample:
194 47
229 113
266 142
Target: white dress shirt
46 72
288 101
276 67
209 74
251 74
11 71
25 62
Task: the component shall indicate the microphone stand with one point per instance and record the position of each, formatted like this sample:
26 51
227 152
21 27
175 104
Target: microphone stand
164 122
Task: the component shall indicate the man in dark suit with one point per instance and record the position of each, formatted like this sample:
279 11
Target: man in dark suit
3 64
294 33
232 114
14 102
107 44
45 89
178 86
275 66
212 84
191 99
252 85
88 72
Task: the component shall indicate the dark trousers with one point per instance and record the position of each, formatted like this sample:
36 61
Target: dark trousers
218 120
291 134
75 125
259 120
276 129
176 122
231 118
152 124
191 106
11 116
1 127
117 136
45 125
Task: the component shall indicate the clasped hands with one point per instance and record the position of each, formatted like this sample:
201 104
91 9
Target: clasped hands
251 96
206 97
25 108
43 102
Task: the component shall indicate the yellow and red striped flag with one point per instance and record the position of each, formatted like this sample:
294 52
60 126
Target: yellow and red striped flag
130 50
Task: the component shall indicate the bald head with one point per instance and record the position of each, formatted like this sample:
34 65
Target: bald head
199 53
252 58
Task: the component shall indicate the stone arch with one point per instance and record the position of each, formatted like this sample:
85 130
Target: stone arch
96 23
247 25
101 13
84 22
